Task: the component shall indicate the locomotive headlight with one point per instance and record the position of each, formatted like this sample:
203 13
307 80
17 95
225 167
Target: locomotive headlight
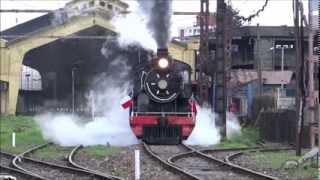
163 63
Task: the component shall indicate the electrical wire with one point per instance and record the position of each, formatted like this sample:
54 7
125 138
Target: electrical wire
249 18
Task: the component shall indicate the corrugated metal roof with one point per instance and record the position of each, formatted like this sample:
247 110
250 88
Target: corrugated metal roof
28 27
277 77
242 77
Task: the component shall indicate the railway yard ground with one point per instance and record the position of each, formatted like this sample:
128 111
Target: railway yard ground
118 162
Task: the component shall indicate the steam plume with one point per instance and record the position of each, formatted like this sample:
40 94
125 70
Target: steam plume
141 35
159 19
206 132
111 124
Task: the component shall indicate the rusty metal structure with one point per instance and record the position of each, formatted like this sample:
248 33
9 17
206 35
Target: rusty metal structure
203 85
298 23
220 67
312 95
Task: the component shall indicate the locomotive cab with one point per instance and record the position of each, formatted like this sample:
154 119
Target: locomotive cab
161 112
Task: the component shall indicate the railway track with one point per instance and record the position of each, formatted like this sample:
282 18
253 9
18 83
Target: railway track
224 170
76 165
7 170
224 152
231 157
162 158
48 170
196 164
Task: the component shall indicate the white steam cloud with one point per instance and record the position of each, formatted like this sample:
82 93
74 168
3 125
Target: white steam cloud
132 30
68 130
206 132
111 123
112 127
233 125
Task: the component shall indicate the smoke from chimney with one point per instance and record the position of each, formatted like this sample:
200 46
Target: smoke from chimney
159 22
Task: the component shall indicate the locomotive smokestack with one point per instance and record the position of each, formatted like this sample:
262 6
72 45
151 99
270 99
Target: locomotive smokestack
159 22
162 52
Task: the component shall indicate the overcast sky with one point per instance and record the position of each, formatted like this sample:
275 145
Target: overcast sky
278 12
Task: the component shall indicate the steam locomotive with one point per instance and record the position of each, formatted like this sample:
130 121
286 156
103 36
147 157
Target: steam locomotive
163 111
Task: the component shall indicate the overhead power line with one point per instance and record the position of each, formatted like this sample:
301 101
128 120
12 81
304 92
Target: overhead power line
249 18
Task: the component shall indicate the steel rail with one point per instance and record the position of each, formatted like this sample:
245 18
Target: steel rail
21 157
74 164
35 148
12 171
172 159
18 170
208 150
169 166
231 157
232 166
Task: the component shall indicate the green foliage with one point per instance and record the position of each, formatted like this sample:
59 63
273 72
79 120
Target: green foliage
27 132
276 160
52 152
249 137
101 150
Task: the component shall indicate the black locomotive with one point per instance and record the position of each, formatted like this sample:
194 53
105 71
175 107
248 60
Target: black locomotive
161 111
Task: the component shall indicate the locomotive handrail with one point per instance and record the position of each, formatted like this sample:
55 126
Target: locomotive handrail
165 113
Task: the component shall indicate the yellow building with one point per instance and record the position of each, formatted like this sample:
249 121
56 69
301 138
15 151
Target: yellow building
43 41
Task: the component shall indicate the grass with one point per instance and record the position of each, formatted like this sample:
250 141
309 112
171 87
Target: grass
249 137
27 132
52 152
276 160
101 150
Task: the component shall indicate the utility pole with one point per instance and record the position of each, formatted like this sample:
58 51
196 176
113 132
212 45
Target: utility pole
311 93
204 52
73 88
298 47
260 85
302 81
220 68
28 94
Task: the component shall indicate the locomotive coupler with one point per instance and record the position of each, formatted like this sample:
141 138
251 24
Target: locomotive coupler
163 120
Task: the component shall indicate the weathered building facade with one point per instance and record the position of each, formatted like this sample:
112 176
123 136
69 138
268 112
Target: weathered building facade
56 45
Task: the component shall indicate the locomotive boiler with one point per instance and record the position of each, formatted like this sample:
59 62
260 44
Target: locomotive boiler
163 110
